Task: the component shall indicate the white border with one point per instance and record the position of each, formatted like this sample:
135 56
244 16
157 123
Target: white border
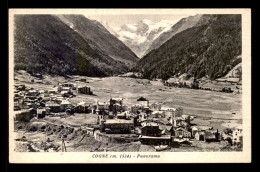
165 157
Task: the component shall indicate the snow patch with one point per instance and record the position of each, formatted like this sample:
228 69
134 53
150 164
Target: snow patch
156 26
141 40
146 21
128 34
132 27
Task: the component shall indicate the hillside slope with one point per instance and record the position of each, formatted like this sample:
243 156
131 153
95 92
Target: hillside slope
45 44
180 26
98 36
209 50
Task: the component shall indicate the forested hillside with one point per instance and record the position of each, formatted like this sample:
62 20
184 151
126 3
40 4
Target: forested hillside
209 50
45 44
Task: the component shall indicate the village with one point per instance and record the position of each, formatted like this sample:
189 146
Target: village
113 121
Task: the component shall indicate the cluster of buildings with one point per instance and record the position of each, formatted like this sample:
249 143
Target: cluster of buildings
31 102
152 123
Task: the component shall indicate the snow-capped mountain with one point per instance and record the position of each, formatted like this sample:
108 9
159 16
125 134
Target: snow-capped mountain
194 49
138 37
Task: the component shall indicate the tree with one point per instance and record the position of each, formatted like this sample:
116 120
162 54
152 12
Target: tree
195 84
185 85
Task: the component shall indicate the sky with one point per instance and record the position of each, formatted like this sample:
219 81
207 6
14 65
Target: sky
117 20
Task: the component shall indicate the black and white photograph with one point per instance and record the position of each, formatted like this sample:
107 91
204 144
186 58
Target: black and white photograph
140 84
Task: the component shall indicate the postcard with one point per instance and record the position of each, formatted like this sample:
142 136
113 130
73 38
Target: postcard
129 85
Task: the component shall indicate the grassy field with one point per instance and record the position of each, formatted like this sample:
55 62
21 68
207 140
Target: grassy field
216 106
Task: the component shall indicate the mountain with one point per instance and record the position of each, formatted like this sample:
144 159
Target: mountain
97 35
207 50
68 44
180 26
138 37
109 28
234 75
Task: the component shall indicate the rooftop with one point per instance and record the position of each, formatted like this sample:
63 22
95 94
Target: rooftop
161 137
144 124
201 127
82 103
33 91
209 135
81 86
118 121
142 99
157 112
165 127
66 88
65 102
122 114
102 103
52 104
168 109
40 110
117 99
182 129
62 92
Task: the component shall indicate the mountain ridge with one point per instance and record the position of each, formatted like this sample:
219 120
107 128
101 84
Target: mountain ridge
114 48
138 37
181 25
209 50
45 44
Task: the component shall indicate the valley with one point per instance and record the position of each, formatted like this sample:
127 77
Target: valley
152 85
219 110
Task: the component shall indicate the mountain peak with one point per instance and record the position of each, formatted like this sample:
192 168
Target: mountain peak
139 36
147 21
181 25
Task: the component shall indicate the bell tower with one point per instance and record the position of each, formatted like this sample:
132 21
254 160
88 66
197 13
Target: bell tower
173 119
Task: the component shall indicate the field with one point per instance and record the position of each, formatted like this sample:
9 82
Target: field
220 109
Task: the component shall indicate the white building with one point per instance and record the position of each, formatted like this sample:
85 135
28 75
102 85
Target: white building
64 104
173 113
237 135
143 102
